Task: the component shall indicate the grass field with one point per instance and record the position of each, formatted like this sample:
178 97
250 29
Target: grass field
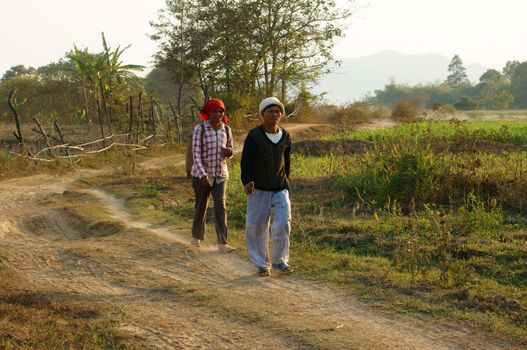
431 220
514 132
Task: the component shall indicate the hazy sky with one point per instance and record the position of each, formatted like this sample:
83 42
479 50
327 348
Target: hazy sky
37 32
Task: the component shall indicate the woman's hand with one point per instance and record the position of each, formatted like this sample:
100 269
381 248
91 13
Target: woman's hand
227 151
205 181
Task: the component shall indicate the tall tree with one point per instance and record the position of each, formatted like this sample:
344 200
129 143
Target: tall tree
104 76
183 42
509 68
517 74
19 71
458 74
495 92
248 48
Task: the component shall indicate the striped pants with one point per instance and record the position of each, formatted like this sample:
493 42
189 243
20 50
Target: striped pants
261 205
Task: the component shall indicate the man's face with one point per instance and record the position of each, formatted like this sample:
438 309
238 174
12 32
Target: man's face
272 115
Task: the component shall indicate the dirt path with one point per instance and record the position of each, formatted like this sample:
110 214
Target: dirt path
176 297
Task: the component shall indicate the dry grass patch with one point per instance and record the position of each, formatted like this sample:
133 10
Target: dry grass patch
38 319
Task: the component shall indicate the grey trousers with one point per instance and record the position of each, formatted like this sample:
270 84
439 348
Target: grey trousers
201 198
261 205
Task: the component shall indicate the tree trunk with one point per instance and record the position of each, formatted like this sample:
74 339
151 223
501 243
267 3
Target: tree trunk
105 106
152 119
101 123
12 107
43 133
177 120
161 118
61 135
284 89
86 105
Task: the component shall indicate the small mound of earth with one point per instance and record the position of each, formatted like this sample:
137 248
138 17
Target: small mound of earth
62 224
335 147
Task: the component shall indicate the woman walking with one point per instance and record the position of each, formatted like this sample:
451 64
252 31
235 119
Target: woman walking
211 146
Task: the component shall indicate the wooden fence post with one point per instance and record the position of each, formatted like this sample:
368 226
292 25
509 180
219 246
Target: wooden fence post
140 106
130 121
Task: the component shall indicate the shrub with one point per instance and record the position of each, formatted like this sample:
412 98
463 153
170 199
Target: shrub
400 171
441 109
465 104
475 217
357 113
423 242
406 111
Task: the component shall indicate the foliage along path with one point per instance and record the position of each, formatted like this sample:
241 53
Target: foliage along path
173 296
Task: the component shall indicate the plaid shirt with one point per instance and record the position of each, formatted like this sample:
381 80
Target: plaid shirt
208 158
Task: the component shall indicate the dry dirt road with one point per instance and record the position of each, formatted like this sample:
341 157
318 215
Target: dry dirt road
176 297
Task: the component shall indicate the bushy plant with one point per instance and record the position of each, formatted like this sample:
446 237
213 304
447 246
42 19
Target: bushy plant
357 113
398 171
474 217
486 177
424 242
465 103
406 111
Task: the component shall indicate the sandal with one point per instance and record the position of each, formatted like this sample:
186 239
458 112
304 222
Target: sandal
225 248
263 272
283 268
195 242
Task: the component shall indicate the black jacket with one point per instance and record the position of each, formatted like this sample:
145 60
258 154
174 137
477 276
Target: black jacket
264 162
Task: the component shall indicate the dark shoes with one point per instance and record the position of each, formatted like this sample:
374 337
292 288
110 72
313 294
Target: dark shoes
283 268
263 272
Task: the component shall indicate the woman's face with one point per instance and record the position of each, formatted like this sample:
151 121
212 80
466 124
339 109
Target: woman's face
216 115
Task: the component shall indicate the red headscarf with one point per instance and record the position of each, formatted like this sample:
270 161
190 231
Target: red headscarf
210 106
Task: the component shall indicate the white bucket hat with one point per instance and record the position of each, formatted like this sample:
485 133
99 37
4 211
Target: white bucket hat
271 101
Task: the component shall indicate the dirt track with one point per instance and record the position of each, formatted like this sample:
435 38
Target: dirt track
178 297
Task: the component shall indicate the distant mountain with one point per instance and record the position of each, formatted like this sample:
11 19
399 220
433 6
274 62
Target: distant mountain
356 77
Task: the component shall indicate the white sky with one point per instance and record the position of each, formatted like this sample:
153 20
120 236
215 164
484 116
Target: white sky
489 32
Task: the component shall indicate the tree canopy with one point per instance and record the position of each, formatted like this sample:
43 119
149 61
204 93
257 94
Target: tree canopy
242 49
495 90
457 76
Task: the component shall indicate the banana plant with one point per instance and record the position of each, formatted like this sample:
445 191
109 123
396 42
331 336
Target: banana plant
103 74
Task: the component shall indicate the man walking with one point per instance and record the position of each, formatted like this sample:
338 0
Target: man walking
265 166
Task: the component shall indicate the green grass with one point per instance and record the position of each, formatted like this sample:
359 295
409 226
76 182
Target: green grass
434 162
514 132
510 114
